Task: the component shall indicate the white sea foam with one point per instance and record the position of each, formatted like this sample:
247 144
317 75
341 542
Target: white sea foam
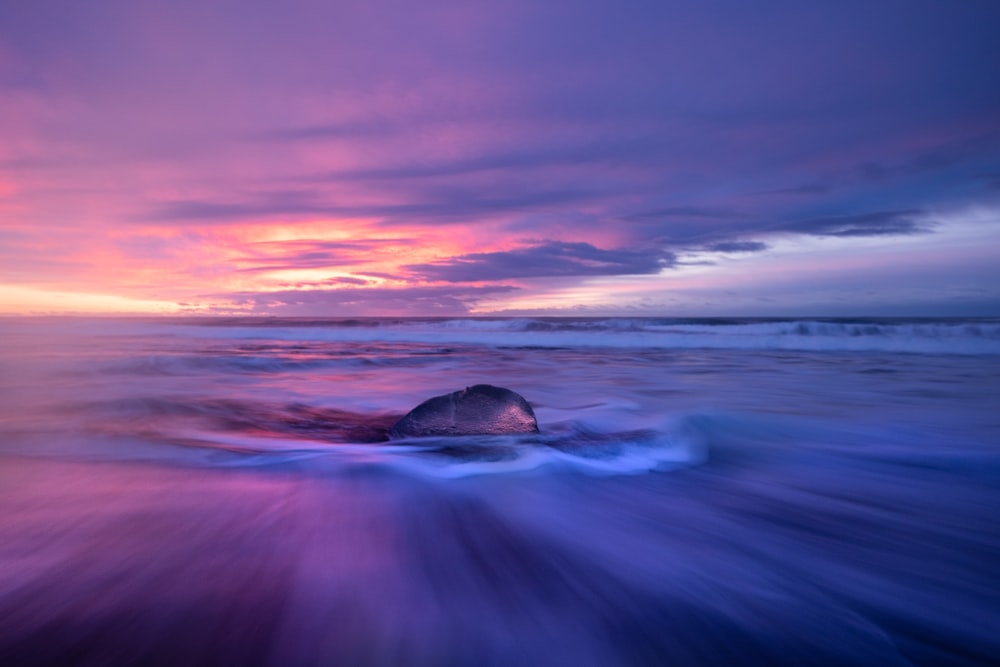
672 446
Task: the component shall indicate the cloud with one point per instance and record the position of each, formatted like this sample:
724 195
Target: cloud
421 301
736 246
549 259
940 158
360 129
610 135
659 214
881 223
459 207
813 188
320 284
347 280
570 154
263 256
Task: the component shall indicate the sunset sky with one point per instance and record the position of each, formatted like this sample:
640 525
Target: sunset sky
438 157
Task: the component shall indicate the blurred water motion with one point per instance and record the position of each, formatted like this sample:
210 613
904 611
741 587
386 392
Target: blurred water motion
173 494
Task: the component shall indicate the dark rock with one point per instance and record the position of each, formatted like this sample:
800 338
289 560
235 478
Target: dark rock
478 410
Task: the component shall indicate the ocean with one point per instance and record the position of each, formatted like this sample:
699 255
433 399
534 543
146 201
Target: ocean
198 491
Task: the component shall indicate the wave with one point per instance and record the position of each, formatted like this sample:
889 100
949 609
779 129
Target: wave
471 456
571 447
231 434
321 441
962 337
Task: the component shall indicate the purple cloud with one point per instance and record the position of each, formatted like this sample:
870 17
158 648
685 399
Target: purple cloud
881 223
736 246
621 135
264 256
366 301
554 258
451 206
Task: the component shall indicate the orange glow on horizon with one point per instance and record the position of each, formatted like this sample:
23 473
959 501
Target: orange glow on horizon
156 269
160 269
30 301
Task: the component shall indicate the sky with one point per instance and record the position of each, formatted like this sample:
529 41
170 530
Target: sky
447 158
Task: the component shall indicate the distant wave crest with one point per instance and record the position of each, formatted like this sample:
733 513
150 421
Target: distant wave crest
964 337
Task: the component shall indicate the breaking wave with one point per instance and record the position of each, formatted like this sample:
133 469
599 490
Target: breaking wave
964 337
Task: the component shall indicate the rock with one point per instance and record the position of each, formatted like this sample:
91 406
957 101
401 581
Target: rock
478 410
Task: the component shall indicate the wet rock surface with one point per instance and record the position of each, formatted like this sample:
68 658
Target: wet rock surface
481 409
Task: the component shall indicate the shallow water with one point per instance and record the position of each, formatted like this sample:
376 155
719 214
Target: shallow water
701 493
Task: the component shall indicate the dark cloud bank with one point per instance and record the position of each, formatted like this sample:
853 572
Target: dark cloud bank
554 258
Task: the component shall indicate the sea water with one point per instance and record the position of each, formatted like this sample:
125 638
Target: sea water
701 492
